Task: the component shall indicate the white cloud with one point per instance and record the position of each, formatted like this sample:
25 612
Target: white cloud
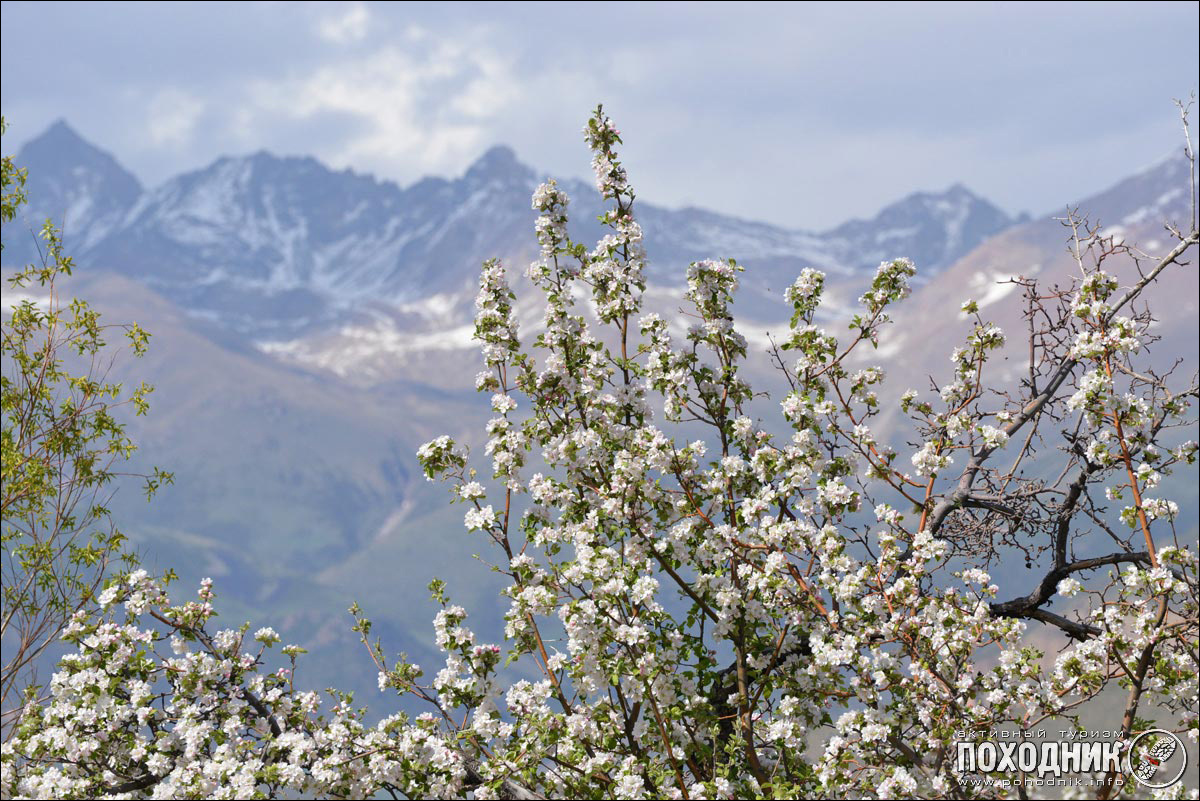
172 115
426 107
346 28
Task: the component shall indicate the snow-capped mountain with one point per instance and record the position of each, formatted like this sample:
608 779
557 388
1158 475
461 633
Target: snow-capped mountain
932 229
82 188
276 247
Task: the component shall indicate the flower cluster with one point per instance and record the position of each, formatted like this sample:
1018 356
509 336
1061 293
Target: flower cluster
495 318
805 294
202 718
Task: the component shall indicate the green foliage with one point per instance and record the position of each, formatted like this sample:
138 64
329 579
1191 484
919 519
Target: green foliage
63 444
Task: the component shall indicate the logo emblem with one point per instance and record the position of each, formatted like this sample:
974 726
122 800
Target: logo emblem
1161 758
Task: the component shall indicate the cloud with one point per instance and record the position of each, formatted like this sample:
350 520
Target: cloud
424 105
346 28
172 116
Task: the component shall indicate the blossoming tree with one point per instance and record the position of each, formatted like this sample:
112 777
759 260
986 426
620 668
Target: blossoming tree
713 610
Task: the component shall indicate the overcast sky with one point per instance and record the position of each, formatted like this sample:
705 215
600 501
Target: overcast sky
801 114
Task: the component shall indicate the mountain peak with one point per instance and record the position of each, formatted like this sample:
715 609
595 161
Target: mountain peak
499 155
60 152
262 158
954 201
498 161
957 193
60 127
934 228
78 185
58 139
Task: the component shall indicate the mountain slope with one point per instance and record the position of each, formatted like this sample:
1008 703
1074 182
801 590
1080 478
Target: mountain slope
1133 210
283 478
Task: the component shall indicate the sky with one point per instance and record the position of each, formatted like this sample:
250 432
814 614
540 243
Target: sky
803 115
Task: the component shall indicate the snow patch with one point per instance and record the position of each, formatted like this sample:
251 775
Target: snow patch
989 289
355 349
1154 209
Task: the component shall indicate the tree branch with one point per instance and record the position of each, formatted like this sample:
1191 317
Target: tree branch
1028 606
